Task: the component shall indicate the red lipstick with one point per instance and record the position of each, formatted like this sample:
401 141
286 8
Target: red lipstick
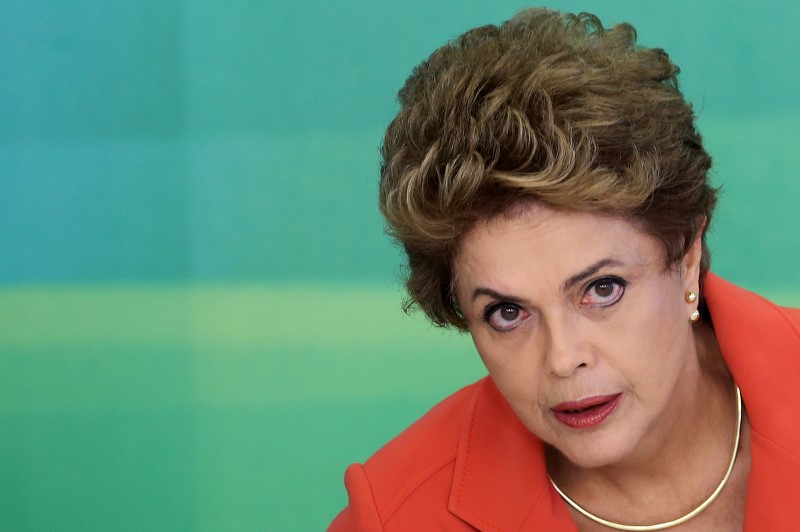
586 413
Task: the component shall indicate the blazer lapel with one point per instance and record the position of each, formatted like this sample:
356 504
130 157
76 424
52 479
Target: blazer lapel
761 346
500 480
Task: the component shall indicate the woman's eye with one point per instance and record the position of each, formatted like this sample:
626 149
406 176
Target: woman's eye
603 292
505 316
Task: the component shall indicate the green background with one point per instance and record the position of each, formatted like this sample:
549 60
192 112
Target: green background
200 320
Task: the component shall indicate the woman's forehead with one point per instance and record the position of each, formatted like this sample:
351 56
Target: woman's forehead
549 242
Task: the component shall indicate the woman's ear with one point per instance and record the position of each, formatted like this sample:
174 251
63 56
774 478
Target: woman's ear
693 258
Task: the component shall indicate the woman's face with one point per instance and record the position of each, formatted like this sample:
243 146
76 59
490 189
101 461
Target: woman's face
582 327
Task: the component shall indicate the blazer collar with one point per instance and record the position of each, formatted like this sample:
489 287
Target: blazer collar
761 346
500 481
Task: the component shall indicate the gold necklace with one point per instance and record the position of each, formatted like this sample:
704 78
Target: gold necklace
668 524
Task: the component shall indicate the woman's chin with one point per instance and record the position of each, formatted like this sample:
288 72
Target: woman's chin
591 451
594 458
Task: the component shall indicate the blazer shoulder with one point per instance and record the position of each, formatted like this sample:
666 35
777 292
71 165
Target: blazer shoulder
790 315
420 452
793 314
737 305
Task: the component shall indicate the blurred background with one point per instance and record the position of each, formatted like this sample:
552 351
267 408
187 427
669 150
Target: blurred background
200 322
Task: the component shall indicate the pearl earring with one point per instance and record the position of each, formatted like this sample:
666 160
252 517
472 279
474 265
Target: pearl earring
691 297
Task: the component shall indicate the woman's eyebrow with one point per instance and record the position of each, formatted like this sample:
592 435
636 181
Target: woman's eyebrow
588 272
480 291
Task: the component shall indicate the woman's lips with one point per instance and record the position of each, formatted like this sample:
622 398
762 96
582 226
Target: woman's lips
586 413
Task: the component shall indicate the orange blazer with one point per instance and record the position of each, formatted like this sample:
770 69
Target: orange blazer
470 464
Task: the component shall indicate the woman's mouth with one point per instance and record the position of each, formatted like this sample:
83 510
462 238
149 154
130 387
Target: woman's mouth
586 413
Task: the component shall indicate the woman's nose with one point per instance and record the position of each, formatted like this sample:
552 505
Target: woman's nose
566 351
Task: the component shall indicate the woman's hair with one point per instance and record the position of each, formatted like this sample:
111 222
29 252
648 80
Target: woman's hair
546 107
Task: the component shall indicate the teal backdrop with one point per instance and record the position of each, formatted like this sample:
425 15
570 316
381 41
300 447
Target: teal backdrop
200 322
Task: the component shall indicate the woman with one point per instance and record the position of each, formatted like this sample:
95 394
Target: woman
550 189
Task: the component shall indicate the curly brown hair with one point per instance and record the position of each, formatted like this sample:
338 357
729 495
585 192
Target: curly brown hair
547 107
